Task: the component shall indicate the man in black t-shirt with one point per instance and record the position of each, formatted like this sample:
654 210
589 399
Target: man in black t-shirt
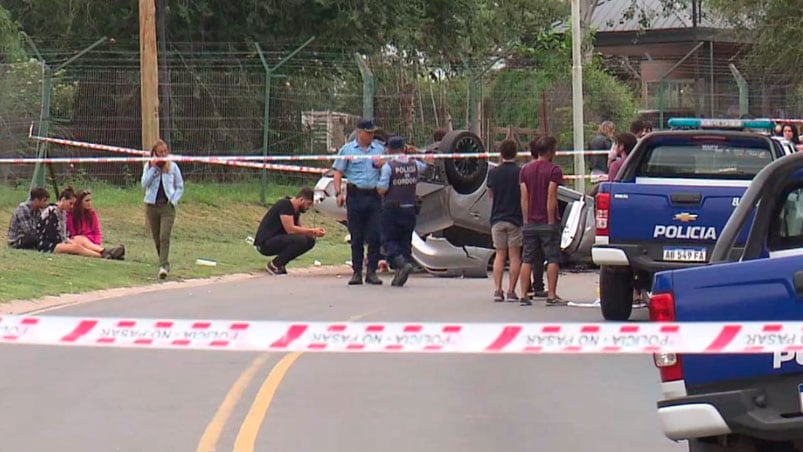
280 233
506 219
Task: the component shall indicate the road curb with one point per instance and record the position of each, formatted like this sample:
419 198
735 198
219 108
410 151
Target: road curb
54 302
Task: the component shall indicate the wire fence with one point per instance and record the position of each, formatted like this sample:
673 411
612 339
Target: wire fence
214 101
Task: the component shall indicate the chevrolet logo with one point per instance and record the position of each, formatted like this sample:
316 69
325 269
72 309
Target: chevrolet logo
685 217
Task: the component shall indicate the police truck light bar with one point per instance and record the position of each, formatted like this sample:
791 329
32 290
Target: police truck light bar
711 123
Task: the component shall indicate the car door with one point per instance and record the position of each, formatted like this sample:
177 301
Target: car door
575 226
768 288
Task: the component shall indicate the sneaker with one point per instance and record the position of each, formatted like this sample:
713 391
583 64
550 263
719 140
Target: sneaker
117 253
356 279
557 301
274 269
163 271
640 303
525 301
372 279
512 297
499 296
539 294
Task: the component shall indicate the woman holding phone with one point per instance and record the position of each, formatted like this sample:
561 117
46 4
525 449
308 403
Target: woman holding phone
163 184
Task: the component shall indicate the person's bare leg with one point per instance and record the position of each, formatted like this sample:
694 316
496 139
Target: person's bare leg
499 267
84 242
524 278
75 248
552 279
515 268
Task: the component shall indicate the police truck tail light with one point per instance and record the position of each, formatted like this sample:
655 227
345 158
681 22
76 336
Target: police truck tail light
603 209
662 309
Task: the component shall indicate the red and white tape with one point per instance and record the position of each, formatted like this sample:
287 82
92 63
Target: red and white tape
570 338
145 157
174 158
277 158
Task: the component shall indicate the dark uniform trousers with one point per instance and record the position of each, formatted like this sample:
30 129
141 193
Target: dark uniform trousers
398 224
363 214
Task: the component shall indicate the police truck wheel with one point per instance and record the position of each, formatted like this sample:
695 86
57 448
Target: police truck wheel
616 292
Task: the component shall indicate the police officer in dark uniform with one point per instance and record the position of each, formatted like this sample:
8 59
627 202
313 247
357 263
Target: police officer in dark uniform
397 183
363 201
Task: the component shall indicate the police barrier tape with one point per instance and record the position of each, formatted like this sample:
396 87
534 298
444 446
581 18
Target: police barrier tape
552 338
227 161
276 158
129 151
174 158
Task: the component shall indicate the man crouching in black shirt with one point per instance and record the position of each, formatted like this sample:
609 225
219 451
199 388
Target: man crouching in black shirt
280 233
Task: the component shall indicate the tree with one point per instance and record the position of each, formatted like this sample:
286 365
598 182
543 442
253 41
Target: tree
773 26
11 44
447 30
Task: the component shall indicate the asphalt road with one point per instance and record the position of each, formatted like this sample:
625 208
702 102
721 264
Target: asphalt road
80 399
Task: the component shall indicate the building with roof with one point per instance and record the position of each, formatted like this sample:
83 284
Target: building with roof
686 60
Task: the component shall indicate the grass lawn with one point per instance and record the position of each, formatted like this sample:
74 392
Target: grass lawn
212 222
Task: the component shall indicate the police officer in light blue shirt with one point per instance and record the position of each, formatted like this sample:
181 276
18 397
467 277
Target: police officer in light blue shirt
397 183
363 203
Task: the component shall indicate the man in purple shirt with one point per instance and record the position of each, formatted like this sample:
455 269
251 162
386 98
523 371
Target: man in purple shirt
539 182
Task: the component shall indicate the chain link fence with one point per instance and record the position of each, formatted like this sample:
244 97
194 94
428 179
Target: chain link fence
214 102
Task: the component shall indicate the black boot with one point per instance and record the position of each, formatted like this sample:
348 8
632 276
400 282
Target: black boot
356 279
371 278
403 269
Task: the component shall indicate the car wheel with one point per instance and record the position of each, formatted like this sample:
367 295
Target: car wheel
465 174
616 292
734 443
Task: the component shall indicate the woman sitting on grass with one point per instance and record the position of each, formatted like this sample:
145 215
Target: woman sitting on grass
52 232
82 220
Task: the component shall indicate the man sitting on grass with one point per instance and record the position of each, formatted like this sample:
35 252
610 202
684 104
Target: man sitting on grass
22 229
280 233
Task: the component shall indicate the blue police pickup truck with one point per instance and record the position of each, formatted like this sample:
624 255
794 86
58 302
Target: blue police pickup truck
670 200
740 402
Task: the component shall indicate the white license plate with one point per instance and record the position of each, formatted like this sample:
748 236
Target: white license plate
685 254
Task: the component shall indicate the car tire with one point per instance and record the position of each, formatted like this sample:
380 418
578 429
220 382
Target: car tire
466 175
616 292
739 444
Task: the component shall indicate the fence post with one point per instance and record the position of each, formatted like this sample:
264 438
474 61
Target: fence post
661 103
744 91
266 119
368 87
38 179
473 90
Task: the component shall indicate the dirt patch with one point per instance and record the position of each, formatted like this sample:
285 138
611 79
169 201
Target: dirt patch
52 303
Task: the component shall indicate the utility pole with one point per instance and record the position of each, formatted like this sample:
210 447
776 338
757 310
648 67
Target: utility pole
577 99
164 77
149 73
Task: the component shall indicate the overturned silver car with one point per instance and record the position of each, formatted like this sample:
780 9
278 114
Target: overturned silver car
453 233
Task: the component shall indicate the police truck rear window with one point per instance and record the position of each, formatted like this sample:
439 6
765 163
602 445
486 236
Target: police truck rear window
704 161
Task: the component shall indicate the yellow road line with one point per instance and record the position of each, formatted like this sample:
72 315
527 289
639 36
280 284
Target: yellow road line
208 442
246 438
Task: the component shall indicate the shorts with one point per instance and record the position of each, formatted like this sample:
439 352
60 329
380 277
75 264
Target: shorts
541 242
506 235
